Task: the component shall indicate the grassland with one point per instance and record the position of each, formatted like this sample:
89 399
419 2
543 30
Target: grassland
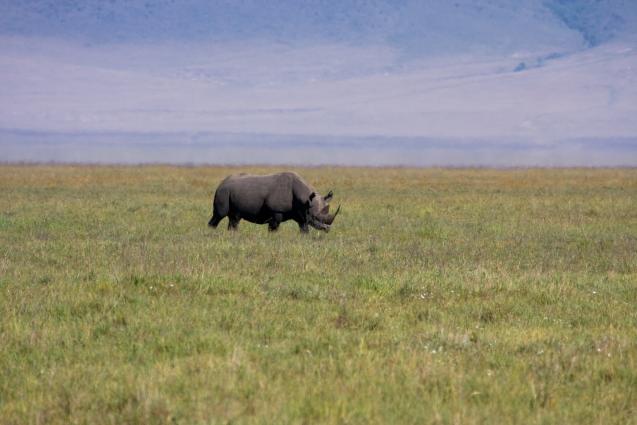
440 296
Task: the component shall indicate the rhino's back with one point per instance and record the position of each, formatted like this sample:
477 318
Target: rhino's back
244 181
250 193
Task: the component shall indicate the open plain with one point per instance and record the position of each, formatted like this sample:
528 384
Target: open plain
440 296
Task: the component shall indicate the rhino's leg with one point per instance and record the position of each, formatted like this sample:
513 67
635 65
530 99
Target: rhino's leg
220 207
233 222
274 222
304 228
214 221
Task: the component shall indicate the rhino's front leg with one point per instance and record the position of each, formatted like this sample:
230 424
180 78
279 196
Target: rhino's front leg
274 222
304 228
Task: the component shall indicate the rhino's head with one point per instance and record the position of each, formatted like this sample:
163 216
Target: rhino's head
319 215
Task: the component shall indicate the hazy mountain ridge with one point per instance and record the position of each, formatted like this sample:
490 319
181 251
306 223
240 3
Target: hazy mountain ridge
409 24
588 94
501 73
597 21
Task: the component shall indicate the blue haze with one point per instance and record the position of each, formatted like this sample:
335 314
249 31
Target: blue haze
378 82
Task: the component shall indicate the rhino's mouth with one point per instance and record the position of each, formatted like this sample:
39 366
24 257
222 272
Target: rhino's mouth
319 225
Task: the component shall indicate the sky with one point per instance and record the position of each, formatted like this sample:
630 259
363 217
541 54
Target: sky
359 82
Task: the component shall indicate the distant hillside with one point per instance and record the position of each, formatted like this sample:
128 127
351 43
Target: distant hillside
517 78
597 21
437 26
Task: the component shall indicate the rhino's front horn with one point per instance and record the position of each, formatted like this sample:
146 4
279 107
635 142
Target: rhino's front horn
330 218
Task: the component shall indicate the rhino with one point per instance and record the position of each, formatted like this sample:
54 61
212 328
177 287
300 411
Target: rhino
271 199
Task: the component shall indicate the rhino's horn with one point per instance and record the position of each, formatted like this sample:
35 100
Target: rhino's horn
330 218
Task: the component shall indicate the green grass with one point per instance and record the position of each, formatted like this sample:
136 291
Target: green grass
439 296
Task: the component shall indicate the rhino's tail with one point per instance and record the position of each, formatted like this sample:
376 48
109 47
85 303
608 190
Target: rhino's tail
220 207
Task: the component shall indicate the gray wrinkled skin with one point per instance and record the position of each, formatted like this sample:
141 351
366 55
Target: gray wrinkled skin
271 199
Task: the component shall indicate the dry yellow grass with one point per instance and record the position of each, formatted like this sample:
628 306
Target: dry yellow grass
440 296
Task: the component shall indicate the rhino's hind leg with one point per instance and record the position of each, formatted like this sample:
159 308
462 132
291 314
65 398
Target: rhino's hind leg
233 222
220 207
214 221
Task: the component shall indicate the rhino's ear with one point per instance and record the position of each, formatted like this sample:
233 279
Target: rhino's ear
328 197
308 203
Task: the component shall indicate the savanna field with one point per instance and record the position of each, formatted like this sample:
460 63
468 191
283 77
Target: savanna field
458 296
